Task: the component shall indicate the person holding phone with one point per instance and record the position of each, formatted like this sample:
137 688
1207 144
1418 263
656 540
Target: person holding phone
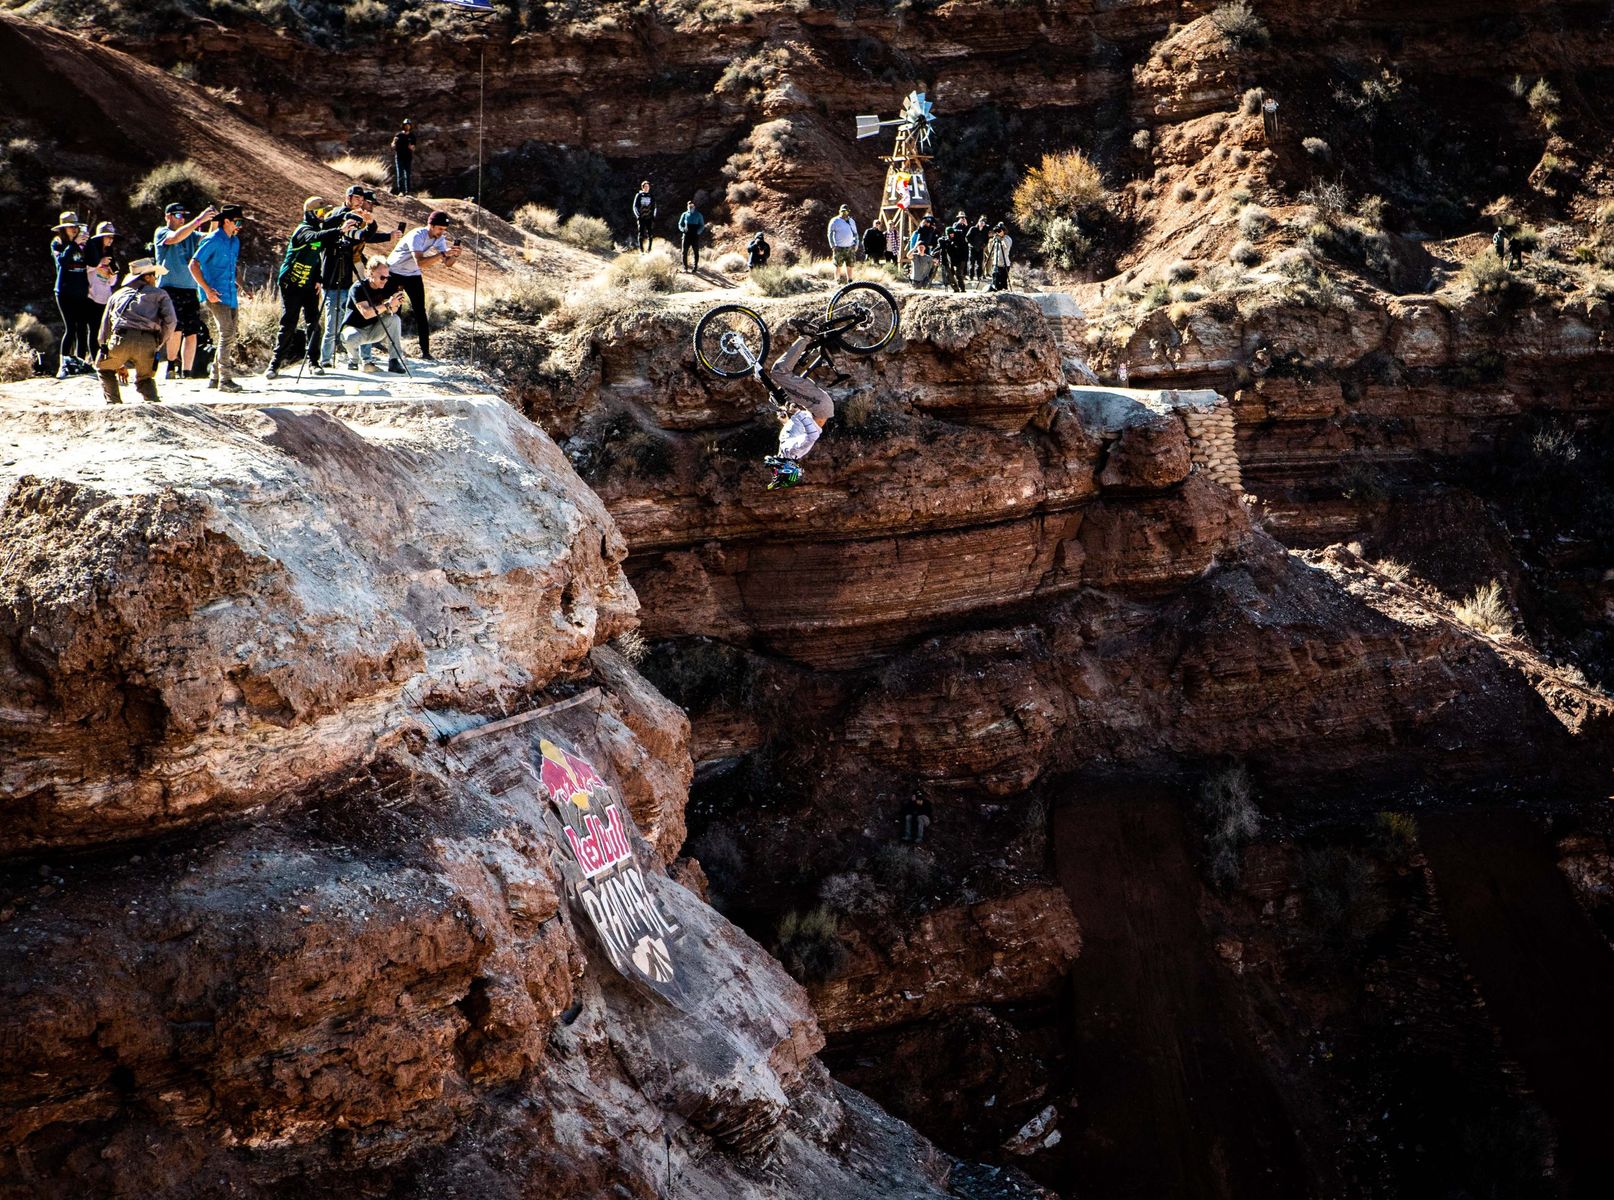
172 245
72 289
418 251
355 228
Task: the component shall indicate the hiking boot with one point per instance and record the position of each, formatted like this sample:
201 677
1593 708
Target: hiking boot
316 368
352 364
394 367
425 358
273 372
229 385
370 368
212 383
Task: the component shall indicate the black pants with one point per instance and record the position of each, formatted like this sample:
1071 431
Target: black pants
977 262
78 332
691 246
955 272
1000 279
647 236
297 300
414 286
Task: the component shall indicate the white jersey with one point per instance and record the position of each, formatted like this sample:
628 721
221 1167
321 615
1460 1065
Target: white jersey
799 435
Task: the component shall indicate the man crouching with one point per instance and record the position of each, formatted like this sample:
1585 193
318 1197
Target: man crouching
139 318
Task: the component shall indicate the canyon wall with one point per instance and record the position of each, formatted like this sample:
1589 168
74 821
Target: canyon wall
268 923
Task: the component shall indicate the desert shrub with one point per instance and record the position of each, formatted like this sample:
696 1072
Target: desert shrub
642 273
366 16
1371 211
1241 195
1250 104
1065 184
809 944
853 894
587 233
720 856
863 415
1155 295
1230 818
731 263
1185 192
174 183
590 308
1142 140
257 322
34 332
364 168
1244 254
777 280
185 70
1064 244
1526 237
68 192
1254 221
1327 196
631 644
524 296
909 874
1393 568
1239 24
752 73
1554 446
1543 98
1342 897
1317 148
1181 271
1397 835
537 218
614 443
1487 273
1485 611
17 357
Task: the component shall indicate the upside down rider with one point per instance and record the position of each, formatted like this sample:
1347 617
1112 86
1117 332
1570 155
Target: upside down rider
802 420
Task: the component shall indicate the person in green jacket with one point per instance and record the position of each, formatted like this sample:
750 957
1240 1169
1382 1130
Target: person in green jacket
690 224
298 281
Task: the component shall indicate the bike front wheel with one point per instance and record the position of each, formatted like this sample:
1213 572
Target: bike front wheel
875 310
730 340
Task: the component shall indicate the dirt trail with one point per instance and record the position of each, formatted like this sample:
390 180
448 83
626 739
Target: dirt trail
1546 975
1172 1087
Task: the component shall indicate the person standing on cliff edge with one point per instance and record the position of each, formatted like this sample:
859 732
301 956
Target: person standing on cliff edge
915 819
690 225
843 243
417 251
644 217
403 159
139 318
214 267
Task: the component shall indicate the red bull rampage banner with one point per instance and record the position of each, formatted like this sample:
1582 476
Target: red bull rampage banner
604 879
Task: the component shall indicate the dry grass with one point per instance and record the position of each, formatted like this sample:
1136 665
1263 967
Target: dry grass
1239 25
536 218
17 358
731 263
257 321
632 646
1393 568
1485 611
1487 274
174 183
587 233
370 170
643 273
777 280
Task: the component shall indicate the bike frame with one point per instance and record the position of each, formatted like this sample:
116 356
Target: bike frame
816 356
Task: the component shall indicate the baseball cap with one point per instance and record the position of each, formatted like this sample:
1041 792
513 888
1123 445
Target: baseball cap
438 217
176 210
313 204
231 212
356 189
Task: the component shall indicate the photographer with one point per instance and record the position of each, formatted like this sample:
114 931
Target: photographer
997 257
173 244
417 251
372 316
298 281
354 228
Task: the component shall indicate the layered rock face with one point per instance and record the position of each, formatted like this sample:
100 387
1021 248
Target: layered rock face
263 926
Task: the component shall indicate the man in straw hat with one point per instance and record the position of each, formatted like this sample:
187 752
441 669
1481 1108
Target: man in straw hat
139 318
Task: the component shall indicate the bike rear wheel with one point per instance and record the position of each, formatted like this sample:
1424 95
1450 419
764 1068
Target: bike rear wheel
726 335
876 313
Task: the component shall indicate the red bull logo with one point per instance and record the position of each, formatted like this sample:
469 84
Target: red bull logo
569 780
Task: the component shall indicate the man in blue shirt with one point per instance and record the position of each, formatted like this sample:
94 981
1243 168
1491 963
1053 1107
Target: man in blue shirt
213 266
690 224
172 245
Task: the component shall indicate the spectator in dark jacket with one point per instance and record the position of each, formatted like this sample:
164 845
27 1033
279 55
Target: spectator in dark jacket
644 217
977 238
403 158
874 241
955 250
758 251
72 289
690 225
298 284
354 228
915 819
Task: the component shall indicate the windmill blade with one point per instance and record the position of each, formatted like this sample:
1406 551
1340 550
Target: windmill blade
867 126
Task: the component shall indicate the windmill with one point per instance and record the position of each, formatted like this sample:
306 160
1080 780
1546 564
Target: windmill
906 198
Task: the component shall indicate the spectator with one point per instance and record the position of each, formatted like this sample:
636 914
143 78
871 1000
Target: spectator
997 255
843 243
915 819
214 267
173 244
977 238
874 241
955 249
644 217
354 228
298 284
403 159
138 320
921 264
929 232
690 224
372 317
893 241
72 290
101 273
417 251
1499 245
758 251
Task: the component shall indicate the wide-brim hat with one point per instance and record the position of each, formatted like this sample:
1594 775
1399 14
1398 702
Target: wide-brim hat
230 212
68 220
105 229
144 266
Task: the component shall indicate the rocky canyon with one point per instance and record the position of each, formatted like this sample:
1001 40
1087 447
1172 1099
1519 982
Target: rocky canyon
481 782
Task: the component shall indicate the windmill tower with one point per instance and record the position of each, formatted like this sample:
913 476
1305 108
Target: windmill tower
906 198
